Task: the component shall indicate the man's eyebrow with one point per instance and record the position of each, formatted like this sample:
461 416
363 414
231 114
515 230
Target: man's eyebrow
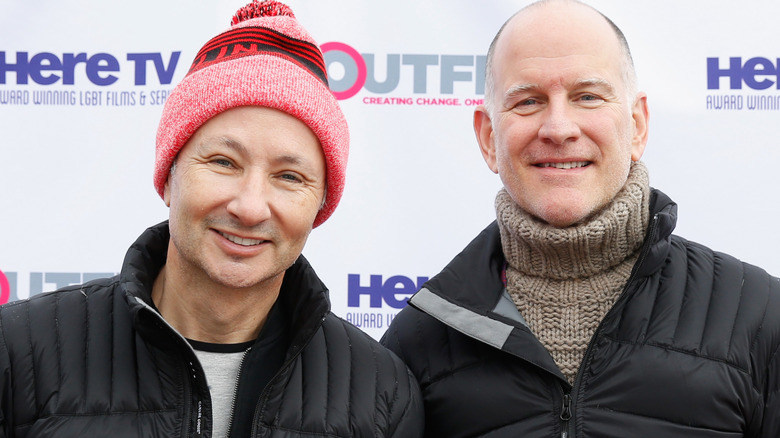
595 82
207 143
289 159
518 89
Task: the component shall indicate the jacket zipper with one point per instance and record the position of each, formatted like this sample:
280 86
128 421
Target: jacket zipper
235 393
193 409
639 262
567 407
565 415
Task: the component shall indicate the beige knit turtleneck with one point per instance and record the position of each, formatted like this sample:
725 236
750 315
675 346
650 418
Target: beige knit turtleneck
565 280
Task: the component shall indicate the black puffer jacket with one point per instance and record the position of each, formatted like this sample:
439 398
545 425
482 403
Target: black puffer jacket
97 361
690 349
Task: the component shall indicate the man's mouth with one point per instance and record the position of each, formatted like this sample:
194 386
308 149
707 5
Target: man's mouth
566 165
240 240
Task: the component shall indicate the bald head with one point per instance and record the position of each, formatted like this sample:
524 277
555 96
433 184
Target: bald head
557 19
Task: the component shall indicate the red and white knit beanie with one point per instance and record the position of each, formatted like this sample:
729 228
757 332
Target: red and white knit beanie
267 59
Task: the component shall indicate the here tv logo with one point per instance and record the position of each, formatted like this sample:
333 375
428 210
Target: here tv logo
393 292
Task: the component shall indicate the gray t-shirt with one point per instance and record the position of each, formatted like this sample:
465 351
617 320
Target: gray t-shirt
221 363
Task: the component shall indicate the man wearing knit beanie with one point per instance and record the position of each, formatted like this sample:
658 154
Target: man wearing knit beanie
577 312
217 326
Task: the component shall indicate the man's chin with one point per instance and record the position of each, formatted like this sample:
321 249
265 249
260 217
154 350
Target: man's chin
559 216
243 277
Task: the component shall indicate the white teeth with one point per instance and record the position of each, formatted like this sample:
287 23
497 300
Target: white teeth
567 165
241 240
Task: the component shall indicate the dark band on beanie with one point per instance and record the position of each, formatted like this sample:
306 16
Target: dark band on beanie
249 41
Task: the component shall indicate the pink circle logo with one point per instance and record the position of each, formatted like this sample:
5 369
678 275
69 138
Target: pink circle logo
5 288
354 66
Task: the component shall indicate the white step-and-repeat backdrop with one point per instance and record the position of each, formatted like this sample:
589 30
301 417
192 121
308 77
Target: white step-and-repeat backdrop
82 86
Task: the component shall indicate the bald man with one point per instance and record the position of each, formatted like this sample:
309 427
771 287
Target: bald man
578 313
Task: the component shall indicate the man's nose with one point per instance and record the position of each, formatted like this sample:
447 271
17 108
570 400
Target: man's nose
251 201
559 124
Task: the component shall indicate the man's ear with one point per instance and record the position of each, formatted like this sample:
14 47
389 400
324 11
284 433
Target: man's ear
640 115
167 188
483 129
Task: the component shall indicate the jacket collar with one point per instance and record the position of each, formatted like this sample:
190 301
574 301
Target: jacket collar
143 262
303 296
469 294
658 238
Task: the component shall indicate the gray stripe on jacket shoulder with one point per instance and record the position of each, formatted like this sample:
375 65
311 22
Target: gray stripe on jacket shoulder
468 322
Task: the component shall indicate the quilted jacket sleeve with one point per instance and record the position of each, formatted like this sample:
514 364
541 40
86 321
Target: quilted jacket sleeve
410 418
5 389
771 423
769 381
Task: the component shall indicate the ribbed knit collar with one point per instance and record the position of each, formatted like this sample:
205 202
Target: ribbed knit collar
537 249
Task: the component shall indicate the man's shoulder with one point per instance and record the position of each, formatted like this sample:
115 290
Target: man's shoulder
336 328
730 307
351 343
64 305
736 290
413 332
373 379
718 263
352 350
411 321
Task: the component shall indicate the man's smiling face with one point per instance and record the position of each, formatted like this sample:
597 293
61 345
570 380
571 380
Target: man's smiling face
243 195
564 128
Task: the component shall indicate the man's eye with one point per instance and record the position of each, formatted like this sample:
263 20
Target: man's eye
290 177
590 98
527 106
223 162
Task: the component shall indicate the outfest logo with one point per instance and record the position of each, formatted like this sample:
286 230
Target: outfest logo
462 73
